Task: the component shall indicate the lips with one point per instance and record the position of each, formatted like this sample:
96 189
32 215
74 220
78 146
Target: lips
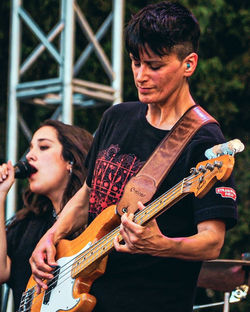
144 90
33 169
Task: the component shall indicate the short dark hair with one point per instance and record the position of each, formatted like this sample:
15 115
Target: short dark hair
164 27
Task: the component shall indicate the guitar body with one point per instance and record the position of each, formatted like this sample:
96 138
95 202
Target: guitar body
70 291
84 259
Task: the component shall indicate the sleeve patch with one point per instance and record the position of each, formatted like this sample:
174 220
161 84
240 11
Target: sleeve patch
226 192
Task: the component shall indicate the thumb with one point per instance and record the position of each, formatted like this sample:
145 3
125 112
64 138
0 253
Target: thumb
140 205
11 169
51 254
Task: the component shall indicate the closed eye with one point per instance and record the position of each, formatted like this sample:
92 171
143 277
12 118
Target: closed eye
44 147
155 67
136 64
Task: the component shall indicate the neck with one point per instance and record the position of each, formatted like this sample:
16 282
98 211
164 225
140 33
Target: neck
56 200
164 116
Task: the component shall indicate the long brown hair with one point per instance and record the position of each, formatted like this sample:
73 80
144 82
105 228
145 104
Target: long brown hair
75 146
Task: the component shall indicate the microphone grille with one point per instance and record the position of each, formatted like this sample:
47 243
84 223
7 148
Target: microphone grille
22 170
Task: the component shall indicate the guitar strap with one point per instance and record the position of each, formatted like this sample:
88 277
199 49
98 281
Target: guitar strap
144 184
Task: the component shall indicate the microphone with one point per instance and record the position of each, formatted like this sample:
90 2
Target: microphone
231 147
23 169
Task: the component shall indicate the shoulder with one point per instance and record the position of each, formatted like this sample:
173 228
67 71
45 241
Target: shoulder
15 229
14 223
18 225
210 132
123 108
119 115
28 229
206 137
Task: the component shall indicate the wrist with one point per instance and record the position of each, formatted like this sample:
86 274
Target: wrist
55 235
3 196
52 236
169 247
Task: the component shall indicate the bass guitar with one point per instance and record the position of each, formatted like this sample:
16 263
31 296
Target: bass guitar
84 259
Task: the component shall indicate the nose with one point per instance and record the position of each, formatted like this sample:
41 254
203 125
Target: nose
31 155
142 73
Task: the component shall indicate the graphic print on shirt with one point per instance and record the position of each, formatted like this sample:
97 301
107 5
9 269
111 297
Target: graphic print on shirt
111 174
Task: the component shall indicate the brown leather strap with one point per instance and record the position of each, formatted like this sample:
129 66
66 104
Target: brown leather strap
143 186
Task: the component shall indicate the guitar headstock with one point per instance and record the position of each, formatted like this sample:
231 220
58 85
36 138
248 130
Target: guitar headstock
206 173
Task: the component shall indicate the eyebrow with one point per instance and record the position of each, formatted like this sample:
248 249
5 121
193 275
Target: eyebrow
146 61
42 139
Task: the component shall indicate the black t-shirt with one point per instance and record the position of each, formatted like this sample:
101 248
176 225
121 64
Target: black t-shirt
22 238
122 144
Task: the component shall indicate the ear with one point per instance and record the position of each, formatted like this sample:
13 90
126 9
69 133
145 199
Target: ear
190 63
69 165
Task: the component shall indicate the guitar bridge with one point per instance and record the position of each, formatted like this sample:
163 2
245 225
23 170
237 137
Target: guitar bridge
26 301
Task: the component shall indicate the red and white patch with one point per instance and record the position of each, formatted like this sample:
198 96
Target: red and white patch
226 192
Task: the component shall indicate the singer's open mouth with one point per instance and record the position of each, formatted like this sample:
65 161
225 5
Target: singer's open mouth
32 169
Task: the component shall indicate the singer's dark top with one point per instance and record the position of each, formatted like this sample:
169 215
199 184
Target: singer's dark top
143 283
22 237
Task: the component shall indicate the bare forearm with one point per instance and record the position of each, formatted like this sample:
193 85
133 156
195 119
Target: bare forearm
205 245
73 216
148 239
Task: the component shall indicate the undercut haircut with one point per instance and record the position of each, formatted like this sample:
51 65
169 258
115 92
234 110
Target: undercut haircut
165 28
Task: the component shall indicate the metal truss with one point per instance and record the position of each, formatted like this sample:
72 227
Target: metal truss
66 90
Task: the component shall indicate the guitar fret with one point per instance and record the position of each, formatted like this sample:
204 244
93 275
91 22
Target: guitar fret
157 205
106 243
102 247
97 251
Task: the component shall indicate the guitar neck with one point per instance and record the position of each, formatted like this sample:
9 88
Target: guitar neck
105 244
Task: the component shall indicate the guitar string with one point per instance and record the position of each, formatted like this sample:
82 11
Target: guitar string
112 234
87 253
151 206
104 246
141 213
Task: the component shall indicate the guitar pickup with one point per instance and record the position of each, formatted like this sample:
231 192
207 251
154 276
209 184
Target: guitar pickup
51 284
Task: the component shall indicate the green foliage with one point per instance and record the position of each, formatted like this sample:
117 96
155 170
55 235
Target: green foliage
220 84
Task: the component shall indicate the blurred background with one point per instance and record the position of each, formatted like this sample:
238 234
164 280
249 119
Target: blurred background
220 84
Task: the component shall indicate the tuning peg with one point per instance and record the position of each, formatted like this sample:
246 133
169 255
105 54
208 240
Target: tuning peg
218 164
209 166
231 148
193 170
202 169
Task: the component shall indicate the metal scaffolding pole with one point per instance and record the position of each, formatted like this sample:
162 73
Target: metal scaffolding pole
13 109
66 68
66 88
117 49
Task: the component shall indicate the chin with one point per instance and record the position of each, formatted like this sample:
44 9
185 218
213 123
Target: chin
146 99
36 189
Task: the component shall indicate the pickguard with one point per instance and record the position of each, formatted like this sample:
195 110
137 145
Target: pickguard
61 297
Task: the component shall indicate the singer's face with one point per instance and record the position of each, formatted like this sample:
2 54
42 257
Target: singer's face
52 170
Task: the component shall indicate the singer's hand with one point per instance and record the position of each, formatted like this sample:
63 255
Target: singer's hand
7 177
